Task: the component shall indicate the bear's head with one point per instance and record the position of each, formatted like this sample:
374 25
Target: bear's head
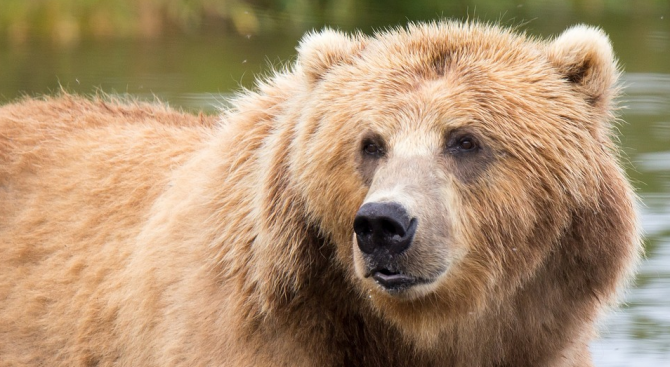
451 163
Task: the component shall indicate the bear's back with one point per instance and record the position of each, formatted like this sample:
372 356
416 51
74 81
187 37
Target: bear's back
77 178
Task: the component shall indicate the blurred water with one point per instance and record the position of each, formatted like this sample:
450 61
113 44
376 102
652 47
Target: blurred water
195 72
639 333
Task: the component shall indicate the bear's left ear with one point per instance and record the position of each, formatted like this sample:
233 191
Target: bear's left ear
583 55
319 51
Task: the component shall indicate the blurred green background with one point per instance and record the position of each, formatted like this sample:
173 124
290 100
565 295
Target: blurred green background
195 53
67 21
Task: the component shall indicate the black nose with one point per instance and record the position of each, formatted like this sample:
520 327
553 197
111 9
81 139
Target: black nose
384 225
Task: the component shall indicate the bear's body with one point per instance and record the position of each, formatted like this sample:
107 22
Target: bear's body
135 235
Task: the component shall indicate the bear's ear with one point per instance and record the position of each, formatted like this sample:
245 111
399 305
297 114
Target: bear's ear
319 51
583 55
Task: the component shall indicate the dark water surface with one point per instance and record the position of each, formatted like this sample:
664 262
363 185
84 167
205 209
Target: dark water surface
196 72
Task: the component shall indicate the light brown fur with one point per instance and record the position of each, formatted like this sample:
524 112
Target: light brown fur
135 235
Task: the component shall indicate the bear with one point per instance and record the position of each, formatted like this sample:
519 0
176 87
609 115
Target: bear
440 194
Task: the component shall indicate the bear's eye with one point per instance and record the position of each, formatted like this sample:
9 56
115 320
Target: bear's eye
467 144
373 149
372 146
460 143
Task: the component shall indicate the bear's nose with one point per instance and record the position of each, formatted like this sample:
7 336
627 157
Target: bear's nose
384 226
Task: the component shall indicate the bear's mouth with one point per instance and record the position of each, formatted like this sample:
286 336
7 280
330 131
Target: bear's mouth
393 281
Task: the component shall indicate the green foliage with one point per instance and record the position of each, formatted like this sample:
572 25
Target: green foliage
67 21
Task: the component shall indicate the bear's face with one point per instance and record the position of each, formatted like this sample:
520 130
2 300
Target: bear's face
407 232
435 158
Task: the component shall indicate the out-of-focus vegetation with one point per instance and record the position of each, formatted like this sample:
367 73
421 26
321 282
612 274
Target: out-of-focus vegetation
68 21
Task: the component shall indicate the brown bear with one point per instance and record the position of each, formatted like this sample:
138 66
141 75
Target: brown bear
447 194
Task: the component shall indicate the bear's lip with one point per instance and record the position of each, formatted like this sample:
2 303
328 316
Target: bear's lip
395 281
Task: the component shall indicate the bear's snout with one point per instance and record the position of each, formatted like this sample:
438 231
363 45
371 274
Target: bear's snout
384 226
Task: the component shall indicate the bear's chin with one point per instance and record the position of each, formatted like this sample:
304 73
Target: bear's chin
421 313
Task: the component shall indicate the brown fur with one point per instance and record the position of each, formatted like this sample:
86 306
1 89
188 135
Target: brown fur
135 235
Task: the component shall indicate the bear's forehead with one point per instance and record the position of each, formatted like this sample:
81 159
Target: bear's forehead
466 86
490 65
438 77
433 50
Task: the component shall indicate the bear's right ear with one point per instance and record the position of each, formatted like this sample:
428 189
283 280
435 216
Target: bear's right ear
583 55
319 51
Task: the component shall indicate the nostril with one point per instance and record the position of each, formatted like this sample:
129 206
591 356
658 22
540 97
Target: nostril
391 228
362 226
386 272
